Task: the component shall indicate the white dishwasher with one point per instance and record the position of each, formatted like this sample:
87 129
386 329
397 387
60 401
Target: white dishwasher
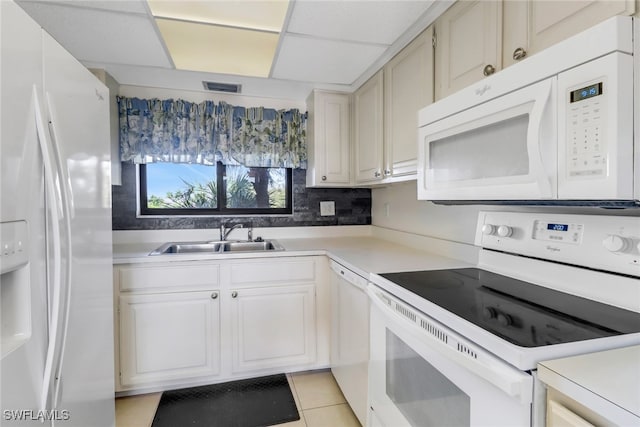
350 337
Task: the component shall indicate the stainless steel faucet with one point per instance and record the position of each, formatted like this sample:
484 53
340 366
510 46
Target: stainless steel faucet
225 230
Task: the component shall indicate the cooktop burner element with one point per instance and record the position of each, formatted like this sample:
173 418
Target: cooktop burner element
522 313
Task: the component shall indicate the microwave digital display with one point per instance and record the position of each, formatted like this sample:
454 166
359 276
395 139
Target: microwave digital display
586 92
558 227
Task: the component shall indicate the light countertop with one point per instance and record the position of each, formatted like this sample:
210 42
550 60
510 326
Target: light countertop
609 380
362 254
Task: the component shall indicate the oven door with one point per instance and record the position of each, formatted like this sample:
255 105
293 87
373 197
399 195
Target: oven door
423 374
502 149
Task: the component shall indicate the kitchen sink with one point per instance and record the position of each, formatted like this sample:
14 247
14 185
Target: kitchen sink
265 245
217 247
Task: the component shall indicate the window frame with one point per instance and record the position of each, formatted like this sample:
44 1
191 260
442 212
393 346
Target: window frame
221 210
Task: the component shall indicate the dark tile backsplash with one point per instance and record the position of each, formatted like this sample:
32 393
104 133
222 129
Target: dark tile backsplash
353 207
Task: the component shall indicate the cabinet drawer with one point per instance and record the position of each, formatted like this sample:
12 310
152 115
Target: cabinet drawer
272 271
178 277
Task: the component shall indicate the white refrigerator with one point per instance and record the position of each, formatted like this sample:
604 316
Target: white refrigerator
55 230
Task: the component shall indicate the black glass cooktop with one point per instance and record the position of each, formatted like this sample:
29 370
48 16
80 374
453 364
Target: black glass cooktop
522 313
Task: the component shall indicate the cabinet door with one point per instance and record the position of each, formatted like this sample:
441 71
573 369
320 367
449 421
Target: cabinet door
272 327
553 21
468 44
368 128
328 139
171 336
408 86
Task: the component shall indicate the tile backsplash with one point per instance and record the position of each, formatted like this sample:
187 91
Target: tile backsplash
352 207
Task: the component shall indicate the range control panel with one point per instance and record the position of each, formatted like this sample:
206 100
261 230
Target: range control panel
610 243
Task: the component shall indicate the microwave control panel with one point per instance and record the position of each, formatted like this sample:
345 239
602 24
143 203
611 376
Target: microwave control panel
586 130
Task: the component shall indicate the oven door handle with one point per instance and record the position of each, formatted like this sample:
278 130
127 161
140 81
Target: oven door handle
513 382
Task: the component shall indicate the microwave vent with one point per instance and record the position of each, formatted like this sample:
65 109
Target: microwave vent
222 87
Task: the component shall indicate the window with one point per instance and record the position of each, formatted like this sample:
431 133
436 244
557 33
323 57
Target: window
192 189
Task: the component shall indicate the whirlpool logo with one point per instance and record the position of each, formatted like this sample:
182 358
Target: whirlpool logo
553 249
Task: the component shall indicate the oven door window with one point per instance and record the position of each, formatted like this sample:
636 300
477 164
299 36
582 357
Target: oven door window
440 404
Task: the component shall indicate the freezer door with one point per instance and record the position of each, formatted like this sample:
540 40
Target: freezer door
23 293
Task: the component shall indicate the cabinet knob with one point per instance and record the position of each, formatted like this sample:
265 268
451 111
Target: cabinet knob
324 177
377 174
387 172
488 70
234 294
519 53
214 295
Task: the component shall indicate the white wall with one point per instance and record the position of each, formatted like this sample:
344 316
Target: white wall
455 223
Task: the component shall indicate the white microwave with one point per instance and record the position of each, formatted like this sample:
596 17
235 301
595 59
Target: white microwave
556 127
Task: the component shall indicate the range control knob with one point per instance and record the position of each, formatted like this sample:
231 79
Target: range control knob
504 231
505 319
615 243
489 313
488 229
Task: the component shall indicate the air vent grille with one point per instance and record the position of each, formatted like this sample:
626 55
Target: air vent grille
435 331
406 312
466 350
222 87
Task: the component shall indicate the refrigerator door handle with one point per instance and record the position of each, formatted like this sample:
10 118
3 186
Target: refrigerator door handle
67 203
52 188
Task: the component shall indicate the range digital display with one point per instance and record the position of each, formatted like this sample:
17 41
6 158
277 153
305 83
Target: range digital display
558 227
586 92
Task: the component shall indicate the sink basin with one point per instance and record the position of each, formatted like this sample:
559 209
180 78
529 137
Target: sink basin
266 245
217 247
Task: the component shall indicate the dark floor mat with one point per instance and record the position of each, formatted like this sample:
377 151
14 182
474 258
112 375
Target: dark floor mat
254 402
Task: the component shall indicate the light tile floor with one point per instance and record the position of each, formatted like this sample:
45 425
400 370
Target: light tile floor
318 398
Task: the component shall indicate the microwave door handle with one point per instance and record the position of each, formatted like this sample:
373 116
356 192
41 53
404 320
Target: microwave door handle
511 381
542 114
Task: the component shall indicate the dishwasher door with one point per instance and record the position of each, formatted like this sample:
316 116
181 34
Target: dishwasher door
350 337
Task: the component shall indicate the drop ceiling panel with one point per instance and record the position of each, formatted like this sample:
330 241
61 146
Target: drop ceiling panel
265 14
128 6
101 36
224 50
320 60
363 21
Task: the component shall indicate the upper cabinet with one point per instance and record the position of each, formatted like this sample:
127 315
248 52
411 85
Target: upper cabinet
408 87
475 39
551 22
386 114
328 130
467 44
368 128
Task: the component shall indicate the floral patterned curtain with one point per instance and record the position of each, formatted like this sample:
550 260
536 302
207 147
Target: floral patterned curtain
184 132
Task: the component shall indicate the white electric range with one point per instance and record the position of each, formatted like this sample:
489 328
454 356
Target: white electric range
459 347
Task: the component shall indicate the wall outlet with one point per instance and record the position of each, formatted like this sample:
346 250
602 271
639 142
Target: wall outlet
328 208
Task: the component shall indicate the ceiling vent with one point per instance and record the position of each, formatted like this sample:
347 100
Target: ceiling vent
222 87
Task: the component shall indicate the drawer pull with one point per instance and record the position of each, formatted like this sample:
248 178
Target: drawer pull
234 294
214 295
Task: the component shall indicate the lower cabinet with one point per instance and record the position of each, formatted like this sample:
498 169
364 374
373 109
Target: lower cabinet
273 327
233 319
169 336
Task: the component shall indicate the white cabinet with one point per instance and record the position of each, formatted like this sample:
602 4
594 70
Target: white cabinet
408 87
273 327
468 44
386 114
551 22
169 336
328 128
184 323
368 128
477 38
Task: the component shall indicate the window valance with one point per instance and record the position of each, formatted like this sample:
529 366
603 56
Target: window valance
153 130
